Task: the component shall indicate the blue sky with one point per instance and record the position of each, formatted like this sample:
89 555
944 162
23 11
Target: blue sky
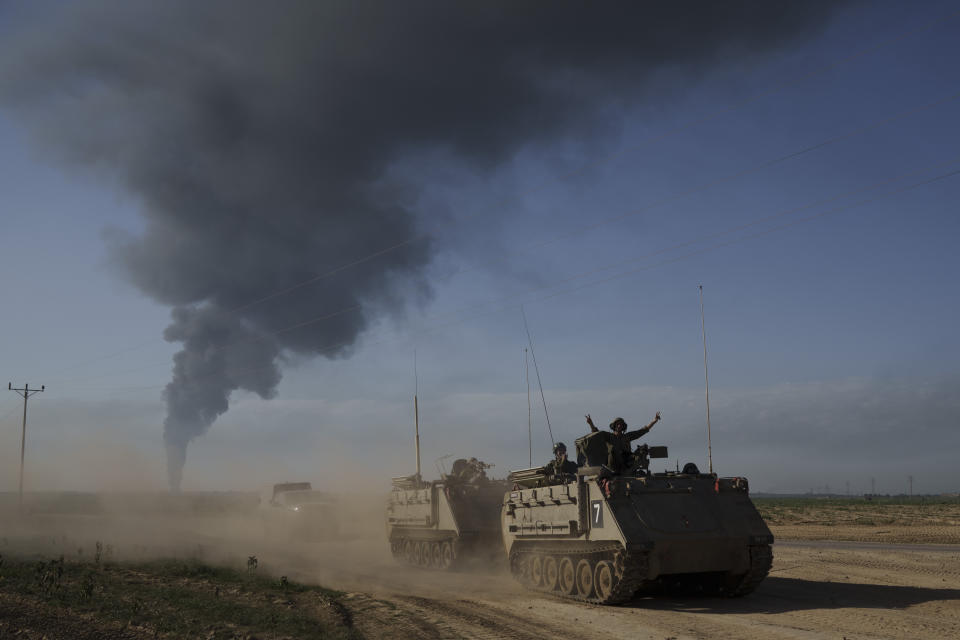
833 355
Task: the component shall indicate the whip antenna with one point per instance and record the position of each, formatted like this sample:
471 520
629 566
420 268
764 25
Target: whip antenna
416 410
537 369
706 379
526 363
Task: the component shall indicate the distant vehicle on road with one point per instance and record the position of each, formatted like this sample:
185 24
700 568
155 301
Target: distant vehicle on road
295 511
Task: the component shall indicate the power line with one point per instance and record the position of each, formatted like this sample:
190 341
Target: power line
659 138
756 235
646 208
602 160
502 302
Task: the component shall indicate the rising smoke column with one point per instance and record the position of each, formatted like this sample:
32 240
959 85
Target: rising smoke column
258 135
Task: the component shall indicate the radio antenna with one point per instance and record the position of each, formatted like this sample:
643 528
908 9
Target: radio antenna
526 366
537 369
706 379
416 410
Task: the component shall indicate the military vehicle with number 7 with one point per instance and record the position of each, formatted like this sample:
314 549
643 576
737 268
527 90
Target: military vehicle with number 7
604 537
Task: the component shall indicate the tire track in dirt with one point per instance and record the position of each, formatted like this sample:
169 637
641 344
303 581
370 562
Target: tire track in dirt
484 620
858 592
409 616
918 566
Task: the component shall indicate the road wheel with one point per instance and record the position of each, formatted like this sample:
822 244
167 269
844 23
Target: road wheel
435 555
536 570
550 573
409 551
585 578
567 577
446 555
603 579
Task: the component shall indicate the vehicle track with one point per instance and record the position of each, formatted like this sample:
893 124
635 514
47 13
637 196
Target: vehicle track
811 593
408 616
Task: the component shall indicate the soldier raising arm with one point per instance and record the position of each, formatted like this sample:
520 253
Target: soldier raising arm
619 456
633 435
619 427
593 427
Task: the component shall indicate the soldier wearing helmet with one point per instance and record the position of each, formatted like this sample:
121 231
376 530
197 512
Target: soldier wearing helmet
618 442
560 466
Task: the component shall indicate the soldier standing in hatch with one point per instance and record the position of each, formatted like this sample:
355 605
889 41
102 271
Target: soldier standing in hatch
560 466
618 442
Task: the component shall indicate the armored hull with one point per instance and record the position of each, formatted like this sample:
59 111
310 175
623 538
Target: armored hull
604 537
444 523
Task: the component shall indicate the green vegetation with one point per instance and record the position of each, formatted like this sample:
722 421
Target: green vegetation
876 511
168 598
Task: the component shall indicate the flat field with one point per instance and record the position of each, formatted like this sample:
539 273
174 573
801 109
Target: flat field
178 569
926 520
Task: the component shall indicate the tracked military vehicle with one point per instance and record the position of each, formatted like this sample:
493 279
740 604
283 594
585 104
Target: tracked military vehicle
603 537
441 524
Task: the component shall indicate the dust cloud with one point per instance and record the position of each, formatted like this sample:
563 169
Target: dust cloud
226 528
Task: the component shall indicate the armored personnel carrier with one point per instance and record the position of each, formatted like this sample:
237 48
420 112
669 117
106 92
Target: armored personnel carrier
604 537
439 524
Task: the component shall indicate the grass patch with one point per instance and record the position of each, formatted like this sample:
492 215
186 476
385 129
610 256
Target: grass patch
171 598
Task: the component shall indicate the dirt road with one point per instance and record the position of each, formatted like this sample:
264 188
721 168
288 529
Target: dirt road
820 590
817 589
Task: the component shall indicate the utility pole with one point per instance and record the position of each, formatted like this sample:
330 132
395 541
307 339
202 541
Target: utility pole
26 392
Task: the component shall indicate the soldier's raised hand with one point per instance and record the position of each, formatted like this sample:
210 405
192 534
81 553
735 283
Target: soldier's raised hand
655 420
590 422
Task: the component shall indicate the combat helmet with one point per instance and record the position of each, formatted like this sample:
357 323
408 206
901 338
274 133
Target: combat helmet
613 425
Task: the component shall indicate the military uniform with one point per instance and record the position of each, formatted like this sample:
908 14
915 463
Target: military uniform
468 471
556 468
619 451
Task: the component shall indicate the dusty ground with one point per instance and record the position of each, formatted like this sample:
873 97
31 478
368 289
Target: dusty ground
886 521
817 588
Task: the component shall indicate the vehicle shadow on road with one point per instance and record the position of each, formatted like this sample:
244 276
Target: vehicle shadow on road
780 595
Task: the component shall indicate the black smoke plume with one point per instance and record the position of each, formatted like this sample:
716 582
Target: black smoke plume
257 136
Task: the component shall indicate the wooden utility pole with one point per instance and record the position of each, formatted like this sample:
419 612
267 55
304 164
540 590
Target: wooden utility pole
26 392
